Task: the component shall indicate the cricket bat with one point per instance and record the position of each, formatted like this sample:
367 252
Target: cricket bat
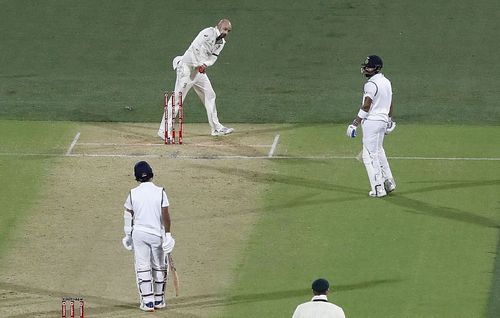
173 270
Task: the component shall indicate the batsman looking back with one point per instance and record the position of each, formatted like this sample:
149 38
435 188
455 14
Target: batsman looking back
191 73
375 116
147 233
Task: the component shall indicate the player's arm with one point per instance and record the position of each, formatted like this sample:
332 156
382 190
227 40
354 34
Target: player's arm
214 55
363 111
391 125
207 49
168 240
165 216
128 223
369 91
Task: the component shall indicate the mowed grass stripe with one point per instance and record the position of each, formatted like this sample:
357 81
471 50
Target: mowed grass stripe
423 252
23 175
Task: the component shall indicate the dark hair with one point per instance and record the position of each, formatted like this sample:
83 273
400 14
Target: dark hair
320 286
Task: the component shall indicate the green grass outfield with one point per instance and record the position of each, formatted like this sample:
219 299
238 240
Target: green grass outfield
285 61
430 250
425 251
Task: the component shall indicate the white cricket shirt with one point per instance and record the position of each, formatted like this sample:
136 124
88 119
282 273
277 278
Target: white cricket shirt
318 307
379 89
204 49
146 200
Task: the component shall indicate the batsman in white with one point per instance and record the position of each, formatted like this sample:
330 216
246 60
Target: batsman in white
375 116
147 233
191 73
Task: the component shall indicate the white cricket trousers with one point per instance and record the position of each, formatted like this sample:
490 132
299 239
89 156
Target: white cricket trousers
374 158
188 77
149 260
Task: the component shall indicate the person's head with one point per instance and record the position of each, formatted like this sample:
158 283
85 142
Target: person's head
320 286
224 27
143 171
372 65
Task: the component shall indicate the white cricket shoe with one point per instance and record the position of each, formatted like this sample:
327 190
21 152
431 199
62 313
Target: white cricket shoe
378 193
222 131
159 304
147 306
389 185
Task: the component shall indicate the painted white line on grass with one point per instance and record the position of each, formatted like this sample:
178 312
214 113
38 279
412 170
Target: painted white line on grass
447 158
73 144
222 157
273 147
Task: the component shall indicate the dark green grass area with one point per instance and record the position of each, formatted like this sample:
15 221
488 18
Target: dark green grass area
22 176
285 61
424 251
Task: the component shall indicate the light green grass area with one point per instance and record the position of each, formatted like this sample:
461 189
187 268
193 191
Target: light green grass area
423 251
23 175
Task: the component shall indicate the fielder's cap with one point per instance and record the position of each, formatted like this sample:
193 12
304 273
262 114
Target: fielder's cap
320 285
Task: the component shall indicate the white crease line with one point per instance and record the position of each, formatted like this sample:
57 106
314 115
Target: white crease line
73 144
203 157
273 147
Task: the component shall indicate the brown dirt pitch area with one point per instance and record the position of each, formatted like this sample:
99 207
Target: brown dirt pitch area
70 245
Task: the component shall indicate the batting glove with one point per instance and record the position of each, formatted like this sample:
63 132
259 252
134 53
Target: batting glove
391 125
127 242
168 243
351 131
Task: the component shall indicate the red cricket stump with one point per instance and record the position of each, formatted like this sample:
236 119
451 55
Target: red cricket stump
181 119
63 309
81 308
72 307
172 98
171 118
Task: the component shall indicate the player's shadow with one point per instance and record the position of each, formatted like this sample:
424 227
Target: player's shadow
217 300
397 198
101 306
269 178
415 206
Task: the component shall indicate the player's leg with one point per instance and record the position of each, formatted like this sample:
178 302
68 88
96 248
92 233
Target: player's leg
183 84
372 141
159 273
206 93
389 183
142 252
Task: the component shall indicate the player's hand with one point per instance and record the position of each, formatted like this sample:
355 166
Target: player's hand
168 243
202 69
391 125
351 131
127 242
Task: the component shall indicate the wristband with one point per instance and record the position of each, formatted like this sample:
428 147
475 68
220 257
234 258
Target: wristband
362 114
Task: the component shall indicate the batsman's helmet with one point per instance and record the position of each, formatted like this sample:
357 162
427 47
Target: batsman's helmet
143 171
372 65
